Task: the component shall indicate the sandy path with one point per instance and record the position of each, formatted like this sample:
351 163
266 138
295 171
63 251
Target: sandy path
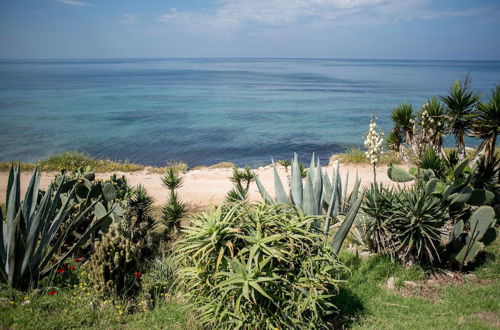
207 186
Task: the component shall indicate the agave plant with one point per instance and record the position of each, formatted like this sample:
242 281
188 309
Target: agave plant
318 195
486 123
30 233
460 103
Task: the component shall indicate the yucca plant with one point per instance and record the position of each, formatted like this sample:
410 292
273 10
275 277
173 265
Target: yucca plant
437 124
486 123
417 221
377 207
258 267
30 234
404 118
241 180
174 209
460 103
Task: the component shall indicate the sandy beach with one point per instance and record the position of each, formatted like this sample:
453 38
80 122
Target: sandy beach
209 186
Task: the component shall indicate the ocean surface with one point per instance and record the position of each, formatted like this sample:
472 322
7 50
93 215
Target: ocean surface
203 111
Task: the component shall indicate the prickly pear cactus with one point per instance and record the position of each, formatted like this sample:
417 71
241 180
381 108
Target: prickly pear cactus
481 223
113 267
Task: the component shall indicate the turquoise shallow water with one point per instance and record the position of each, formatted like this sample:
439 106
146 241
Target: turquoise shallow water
204 111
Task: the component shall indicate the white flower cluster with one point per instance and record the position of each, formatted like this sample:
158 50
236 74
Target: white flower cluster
373 143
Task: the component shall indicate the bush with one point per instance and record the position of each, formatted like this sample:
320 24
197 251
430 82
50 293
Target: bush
259 267
113 267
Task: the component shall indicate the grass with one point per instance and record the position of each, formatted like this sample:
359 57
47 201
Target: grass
364 302
72 308
72 160
356 155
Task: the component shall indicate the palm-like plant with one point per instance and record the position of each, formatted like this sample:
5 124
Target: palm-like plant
486 123
403 118
460 104
174 210
437 113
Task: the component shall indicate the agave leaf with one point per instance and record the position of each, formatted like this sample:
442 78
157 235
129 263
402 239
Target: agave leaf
346 225
309 203
35 228
281 196
318 187
296 182
30 199
263 191
312 167
82 240
10 184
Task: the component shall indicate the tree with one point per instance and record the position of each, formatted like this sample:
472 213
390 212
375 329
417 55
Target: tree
486 123
404 119
460 104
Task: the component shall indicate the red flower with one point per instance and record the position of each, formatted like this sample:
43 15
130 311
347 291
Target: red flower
137 274
51 293
78 259
71 267
61 270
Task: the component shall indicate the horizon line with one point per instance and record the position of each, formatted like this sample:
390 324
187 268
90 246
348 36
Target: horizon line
241 57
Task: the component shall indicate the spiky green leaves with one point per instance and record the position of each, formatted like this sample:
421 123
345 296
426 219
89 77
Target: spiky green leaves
258 266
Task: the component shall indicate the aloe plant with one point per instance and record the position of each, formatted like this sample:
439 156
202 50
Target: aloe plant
318 195
30 234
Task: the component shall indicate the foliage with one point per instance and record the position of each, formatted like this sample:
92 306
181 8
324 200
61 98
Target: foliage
141 227
430 160
32 231
460 103
318 196
377 207
486 123
107 199
241 180
441 211
404 119
354 155
73 160
174 209
416 222
114 265
258 266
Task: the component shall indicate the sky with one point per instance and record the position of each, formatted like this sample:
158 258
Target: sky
376 29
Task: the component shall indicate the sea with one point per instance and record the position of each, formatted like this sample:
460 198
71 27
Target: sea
202 111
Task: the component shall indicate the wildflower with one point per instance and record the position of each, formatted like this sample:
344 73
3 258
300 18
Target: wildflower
51 293
137 274
61 270
71 267
79 259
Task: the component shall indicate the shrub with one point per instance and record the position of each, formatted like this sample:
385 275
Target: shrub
32 231
113 267
258 267
354 155
174 209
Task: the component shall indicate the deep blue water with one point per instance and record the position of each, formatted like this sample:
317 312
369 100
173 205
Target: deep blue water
204 111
